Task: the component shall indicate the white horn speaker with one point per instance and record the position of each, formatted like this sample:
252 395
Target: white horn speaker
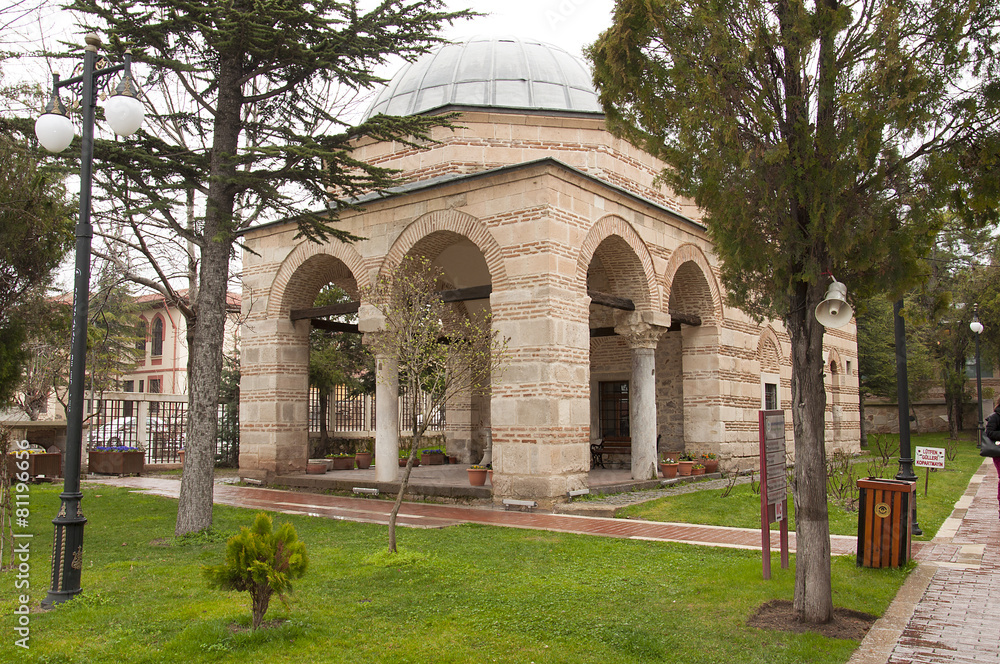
834 311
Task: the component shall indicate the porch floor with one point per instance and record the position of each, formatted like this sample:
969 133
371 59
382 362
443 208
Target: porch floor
451 482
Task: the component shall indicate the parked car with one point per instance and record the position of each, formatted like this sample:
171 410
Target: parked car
122 431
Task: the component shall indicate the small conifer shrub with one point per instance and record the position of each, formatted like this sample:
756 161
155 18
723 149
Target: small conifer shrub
261 561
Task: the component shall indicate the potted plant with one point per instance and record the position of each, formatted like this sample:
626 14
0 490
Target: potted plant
116 460
39 462
477 475
698 469
434 457
710 461
317 466
404 455
363 456
341 461
685 464
668 467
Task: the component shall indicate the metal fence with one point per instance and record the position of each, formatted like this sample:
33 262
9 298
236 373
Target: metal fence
347 413
156 423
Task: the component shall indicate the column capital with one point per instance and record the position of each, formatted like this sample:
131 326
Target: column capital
641 329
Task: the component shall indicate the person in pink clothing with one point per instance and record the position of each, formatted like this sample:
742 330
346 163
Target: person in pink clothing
993 433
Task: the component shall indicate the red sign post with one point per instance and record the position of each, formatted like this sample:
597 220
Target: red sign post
773 486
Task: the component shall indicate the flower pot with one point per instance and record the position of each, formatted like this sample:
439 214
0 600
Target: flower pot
116 463
684 468
698 471
477 476
364 460
711 465
343 463
317 466
39 464
432 458
490 473
453 459
668 469
180 456
402 462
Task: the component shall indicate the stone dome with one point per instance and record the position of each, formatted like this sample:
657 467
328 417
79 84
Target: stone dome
491 72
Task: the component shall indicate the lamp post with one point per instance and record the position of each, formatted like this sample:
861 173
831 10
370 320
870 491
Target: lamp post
977 329
903 397
55 132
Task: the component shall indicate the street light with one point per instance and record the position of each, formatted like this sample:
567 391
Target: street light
977 329
55 132
905 472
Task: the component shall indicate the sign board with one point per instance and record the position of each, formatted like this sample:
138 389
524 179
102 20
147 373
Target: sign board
773 485
929 457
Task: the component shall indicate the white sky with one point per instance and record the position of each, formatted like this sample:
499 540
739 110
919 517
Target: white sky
569 24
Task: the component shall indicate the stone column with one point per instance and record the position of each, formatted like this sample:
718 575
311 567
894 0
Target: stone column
386 419
642 330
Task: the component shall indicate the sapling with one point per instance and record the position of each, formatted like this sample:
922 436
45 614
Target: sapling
261 561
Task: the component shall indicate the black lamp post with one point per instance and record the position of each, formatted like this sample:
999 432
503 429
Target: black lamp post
903 397
55 132
977 329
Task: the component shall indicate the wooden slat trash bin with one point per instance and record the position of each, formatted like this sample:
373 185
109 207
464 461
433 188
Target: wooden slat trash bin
884 523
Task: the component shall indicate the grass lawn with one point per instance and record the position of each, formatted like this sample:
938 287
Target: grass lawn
466 594
742 507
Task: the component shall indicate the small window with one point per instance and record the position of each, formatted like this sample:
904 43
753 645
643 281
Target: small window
157 337
155 385
770 396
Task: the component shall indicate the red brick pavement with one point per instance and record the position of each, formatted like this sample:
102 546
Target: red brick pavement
428 515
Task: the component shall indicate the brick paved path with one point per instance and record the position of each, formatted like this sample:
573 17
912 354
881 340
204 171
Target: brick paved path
430 515
949 608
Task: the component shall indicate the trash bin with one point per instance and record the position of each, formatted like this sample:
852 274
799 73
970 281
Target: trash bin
884 523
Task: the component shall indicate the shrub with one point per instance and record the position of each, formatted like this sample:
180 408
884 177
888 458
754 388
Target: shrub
260 561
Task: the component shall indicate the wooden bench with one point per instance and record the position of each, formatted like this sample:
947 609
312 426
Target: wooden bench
609 447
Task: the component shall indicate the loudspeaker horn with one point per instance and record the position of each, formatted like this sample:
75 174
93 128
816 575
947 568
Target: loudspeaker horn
834 311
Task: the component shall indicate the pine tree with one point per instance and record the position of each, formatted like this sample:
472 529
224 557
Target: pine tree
818 138
241 131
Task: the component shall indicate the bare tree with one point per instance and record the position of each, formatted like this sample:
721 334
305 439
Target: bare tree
441 348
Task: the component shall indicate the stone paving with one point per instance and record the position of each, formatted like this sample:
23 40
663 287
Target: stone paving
946 612
949 608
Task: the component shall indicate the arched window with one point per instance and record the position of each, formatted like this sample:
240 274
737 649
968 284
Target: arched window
157 337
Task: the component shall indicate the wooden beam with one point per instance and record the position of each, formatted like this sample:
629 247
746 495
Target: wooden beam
612 301
602 332
334 326
454 295
687 319
320 312
466 294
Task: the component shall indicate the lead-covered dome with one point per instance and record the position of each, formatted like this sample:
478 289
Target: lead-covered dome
493 72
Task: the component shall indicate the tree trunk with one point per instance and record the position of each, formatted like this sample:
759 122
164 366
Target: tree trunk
194 510
813 600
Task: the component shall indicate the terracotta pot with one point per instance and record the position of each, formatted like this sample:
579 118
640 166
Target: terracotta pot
364 460
453 459
477 476
402 462
317 466
711 465
490 473
697 471
180 456
684 467
668 469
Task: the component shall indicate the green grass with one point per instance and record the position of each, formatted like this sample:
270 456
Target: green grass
461 594
742 507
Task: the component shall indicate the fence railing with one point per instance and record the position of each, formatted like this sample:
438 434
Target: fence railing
156 423
347 413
